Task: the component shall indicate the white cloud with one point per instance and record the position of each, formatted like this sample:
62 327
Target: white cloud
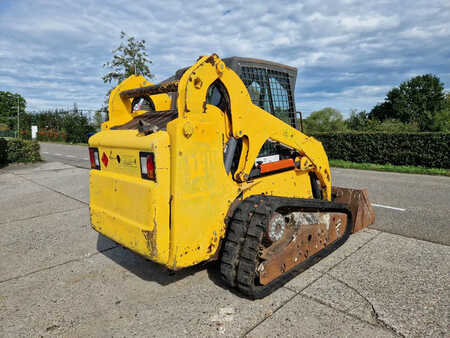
368 22
349 53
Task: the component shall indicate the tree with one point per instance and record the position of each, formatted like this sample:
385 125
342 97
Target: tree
381 111
421 95
8 108
415 101
99 117
324 120
129 58
72 122
361 122
447 100
358 121
441 121
76 126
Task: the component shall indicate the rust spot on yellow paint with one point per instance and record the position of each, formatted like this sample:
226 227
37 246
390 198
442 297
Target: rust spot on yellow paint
150 239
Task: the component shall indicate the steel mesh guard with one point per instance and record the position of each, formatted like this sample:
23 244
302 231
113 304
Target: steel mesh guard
270 90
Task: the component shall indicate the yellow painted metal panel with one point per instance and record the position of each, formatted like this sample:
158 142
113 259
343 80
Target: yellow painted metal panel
201 190
124 206
287 184
120 109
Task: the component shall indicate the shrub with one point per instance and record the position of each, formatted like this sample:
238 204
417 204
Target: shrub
25 134
60 125
418 149
3 152
22 151
77 128
51 135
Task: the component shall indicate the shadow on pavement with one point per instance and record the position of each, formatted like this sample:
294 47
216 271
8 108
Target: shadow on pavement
140 266
153 272
150 271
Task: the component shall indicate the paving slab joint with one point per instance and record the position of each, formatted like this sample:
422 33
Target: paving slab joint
374 313
42 215
58 265
383 327
51 189
246 333
299 292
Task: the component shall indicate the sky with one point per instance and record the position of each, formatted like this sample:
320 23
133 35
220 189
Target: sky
349 54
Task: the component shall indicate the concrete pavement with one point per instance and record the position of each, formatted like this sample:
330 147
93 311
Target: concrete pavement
59 277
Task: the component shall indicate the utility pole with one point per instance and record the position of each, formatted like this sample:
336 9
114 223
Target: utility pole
18 120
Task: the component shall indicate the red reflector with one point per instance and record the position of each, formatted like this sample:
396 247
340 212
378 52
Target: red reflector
150 166
105 160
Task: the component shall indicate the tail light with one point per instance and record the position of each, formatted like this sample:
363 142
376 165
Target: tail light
148 166
95 159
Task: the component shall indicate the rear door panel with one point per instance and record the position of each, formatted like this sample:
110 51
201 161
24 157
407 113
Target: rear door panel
125 207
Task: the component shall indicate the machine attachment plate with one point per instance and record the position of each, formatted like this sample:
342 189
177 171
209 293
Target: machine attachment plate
359 204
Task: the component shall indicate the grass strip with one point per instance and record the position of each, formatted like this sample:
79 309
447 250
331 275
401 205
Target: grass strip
407 169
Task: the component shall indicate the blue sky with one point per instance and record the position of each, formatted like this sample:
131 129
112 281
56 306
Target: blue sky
349 53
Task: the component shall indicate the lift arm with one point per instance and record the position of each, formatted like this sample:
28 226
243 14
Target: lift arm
249 122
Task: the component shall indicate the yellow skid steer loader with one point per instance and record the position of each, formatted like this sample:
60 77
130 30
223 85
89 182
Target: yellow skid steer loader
209 165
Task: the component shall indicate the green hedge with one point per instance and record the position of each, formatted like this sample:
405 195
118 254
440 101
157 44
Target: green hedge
3 152
430 150
19 150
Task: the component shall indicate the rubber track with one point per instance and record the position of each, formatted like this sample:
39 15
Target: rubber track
239 258
236 233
